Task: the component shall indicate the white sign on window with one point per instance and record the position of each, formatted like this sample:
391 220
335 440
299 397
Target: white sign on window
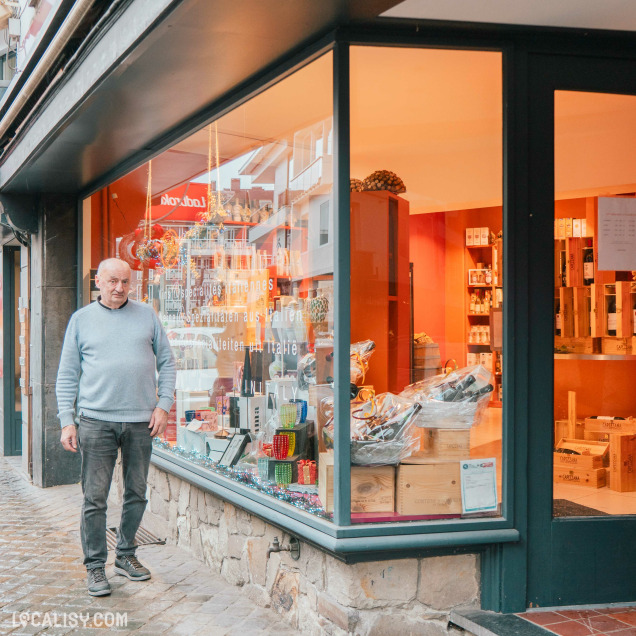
616 234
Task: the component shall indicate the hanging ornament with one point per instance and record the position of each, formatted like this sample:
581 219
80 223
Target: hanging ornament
215 212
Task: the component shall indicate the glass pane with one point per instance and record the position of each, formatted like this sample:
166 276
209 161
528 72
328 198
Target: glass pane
229 235
594 304
426 282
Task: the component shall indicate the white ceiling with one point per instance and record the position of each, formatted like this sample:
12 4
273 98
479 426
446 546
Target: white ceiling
584 14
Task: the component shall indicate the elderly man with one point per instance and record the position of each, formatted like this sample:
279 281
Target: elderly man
107 382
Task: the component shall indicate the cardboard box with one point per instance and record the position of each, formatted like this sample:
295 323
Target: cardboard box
568 228
591 477
428 489
561 228
622 454
610 425
584 228
372 487
485 236
576 228
591 454
470 237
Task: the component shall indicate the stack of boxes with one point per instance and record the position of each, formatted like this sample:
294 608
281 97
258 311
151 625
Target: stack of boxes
603 458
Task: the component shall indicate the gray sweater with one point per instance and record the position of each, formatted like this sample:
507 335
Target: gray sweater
108 362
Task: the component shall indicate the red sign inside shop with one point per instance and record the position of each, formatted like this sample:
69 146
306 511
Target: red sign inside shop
184 203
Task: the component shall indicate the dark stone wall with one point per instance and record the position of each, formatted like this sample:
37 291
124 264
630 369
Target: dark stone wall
53 300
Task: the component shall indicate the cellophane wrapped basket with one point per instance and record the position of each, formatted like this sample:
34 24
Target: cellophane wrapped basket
454 400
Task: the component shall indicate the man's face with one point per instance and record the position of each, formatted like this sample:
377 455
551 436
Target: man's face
114 285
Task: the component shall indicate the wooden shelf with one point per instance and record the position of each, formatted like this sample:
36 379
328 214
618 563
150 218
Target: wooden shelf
480 315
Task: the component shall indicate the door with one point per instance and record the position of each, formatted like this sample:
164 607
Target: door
582 360
11 346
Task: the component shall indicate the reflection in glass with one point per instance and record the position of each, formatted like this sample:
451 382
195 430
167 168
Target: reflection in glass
229 235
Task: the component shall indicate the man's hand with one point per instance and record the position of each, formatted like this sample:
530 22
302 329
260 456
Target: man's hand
158 422
69 438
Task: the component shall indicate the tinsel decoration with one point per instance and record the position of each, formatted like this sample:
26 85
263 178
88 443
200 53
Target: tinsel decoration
303 501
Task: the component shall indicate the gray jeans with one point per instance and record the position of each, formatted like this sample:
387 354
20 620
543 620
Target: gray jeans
98 443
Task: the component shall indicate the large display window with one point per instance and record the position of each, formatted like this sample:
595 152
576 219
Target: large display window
427 282
231 236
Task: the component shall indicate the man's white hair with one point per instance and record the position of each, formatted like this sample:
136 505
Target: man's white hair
111 262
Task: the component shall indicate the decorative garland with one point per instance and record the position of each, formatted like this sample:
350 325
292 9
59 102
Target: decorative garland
304 501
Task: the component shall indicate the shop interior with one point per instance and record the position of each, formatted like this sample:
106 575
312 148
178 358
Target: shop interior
426 283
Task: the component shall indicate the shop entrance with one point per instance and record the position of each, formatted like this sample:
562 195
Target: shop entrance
582 353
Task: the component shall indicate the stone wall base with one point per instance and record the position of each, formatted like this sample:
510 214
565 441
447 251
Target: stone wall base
318 594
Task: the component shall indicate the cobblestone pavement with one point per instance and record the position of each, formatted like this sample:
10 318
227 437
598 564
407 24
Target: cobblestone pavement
43 581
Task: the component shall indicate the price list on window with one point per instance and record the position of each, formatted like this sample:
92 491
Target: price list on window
616 233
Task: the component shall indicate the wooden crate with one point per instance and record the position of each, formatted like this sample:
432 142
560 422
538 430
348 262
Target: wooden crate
561 428
581 312
617 346
372 487
428 489
596 436
423 374
622 455
624 311
591 477
566 296
598 318
592 454
426 356
444 443
577 345
601 425
574 255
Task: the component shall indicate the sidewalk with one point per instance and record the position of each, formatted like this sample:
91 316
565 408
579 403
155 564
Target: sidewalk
41 571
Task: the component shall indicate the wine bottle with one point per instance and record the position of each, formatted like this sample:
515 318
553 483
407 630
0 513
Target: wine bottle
246 382
557 317
564 261
634 317
588 264
473 304
611 316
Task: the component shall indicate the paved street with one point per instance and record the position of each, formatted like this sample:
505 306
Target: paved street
42 579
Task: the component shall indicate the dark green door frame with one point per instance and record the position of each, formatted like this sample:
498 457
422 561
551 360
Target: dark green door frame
12 425
558 561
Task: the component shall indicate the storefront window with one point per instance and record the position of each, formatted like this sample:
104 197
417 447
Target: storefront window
594 305
229 235
426 284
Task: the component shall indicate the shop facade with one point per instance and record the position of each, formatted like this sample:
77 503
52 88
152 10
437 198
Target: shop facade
396 273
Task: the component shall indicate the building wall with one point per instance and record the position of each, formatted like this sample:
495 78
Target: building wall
317 594
53 300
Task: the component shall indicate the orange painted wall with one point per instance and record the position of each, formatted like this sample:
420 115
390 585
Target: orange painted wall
427 244
603 387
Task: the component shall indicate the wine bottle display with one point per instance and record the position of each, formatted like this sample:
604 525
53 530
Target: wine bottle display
611 316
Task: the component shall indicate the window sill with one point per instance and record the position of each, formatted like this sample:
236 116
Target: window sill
361 542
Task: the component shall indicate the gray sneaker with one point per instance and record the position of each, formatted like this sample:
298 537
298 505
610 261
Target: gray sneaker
97 582
127 565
